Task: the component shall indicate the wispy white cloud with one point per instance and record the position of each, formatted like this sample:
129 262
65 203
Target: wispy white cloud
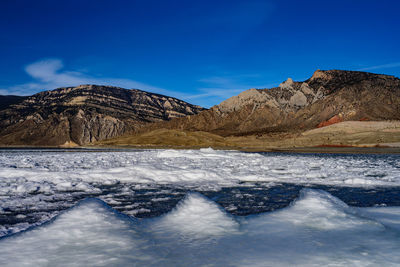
384 66
50 74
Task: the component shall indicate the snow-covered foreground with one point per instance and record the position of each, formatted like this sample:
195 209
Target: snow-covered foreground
37 185
148 207
316 230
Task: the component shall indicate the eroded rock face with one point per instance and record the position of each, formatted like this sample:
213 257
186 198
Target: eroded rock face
327 97
333 120
83 114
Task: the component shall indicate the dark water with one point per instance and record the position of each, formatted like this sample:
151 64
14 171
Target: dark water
242 200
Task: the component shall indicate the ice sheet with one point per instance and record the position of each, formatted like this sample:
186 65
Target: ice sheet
35 172
36 185
316 230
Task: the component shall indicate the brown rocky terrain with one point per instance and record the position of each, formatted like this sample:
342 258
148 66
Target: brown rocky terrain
163 138
8 100
332 109
327 97
87 113
342 135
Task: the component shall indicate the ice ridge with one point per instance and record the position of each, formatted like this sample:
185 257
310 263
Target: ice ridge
317 229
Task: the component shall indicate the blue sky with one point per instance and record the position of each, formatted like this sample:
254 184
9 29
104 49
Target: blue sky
200 51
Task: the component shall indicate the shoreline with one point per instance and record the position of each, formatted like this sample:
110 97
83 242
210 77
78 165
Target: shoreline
316 149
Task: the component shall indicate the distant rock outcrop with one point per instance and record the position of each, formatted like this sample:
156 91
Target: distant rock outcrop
327 97
333 120
80 115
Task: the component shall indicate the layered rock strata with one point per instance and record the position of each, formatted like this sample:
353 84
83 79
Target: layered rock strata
84 114
327 97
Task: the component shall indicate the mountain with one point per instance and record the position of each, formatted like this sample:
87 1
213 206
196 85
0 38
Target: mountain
8 100
84 114
327 97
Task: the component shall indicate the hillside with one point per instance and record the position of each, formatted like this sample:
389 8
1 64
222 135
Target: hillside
294 114
8 100
87 113
162 138
335 137
327 97
331 109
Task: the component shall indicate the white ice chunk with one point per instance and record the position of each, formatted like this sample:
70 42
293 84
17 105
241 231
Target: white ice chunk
316 230
318 209
207 150
196 217
88 235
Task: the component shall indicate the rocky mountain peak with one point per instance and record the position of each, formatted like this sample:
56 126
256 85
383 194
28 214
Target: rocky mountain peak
346 76
320 74
287 84
248 97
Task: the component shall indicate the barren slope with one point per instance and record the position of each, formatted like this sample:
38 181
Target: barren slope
327 97
84 114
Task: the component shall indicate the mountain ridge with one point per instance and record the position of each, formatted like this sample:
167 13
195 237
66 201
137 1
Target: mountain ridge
327 96
83 114
90 113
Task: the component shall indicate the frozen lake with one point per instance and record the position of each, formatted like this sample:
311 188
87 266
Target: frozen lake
195 207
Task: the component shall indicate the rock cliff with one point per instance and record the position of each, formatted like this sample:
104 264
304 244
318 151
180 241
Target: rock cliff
327 97
83 114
